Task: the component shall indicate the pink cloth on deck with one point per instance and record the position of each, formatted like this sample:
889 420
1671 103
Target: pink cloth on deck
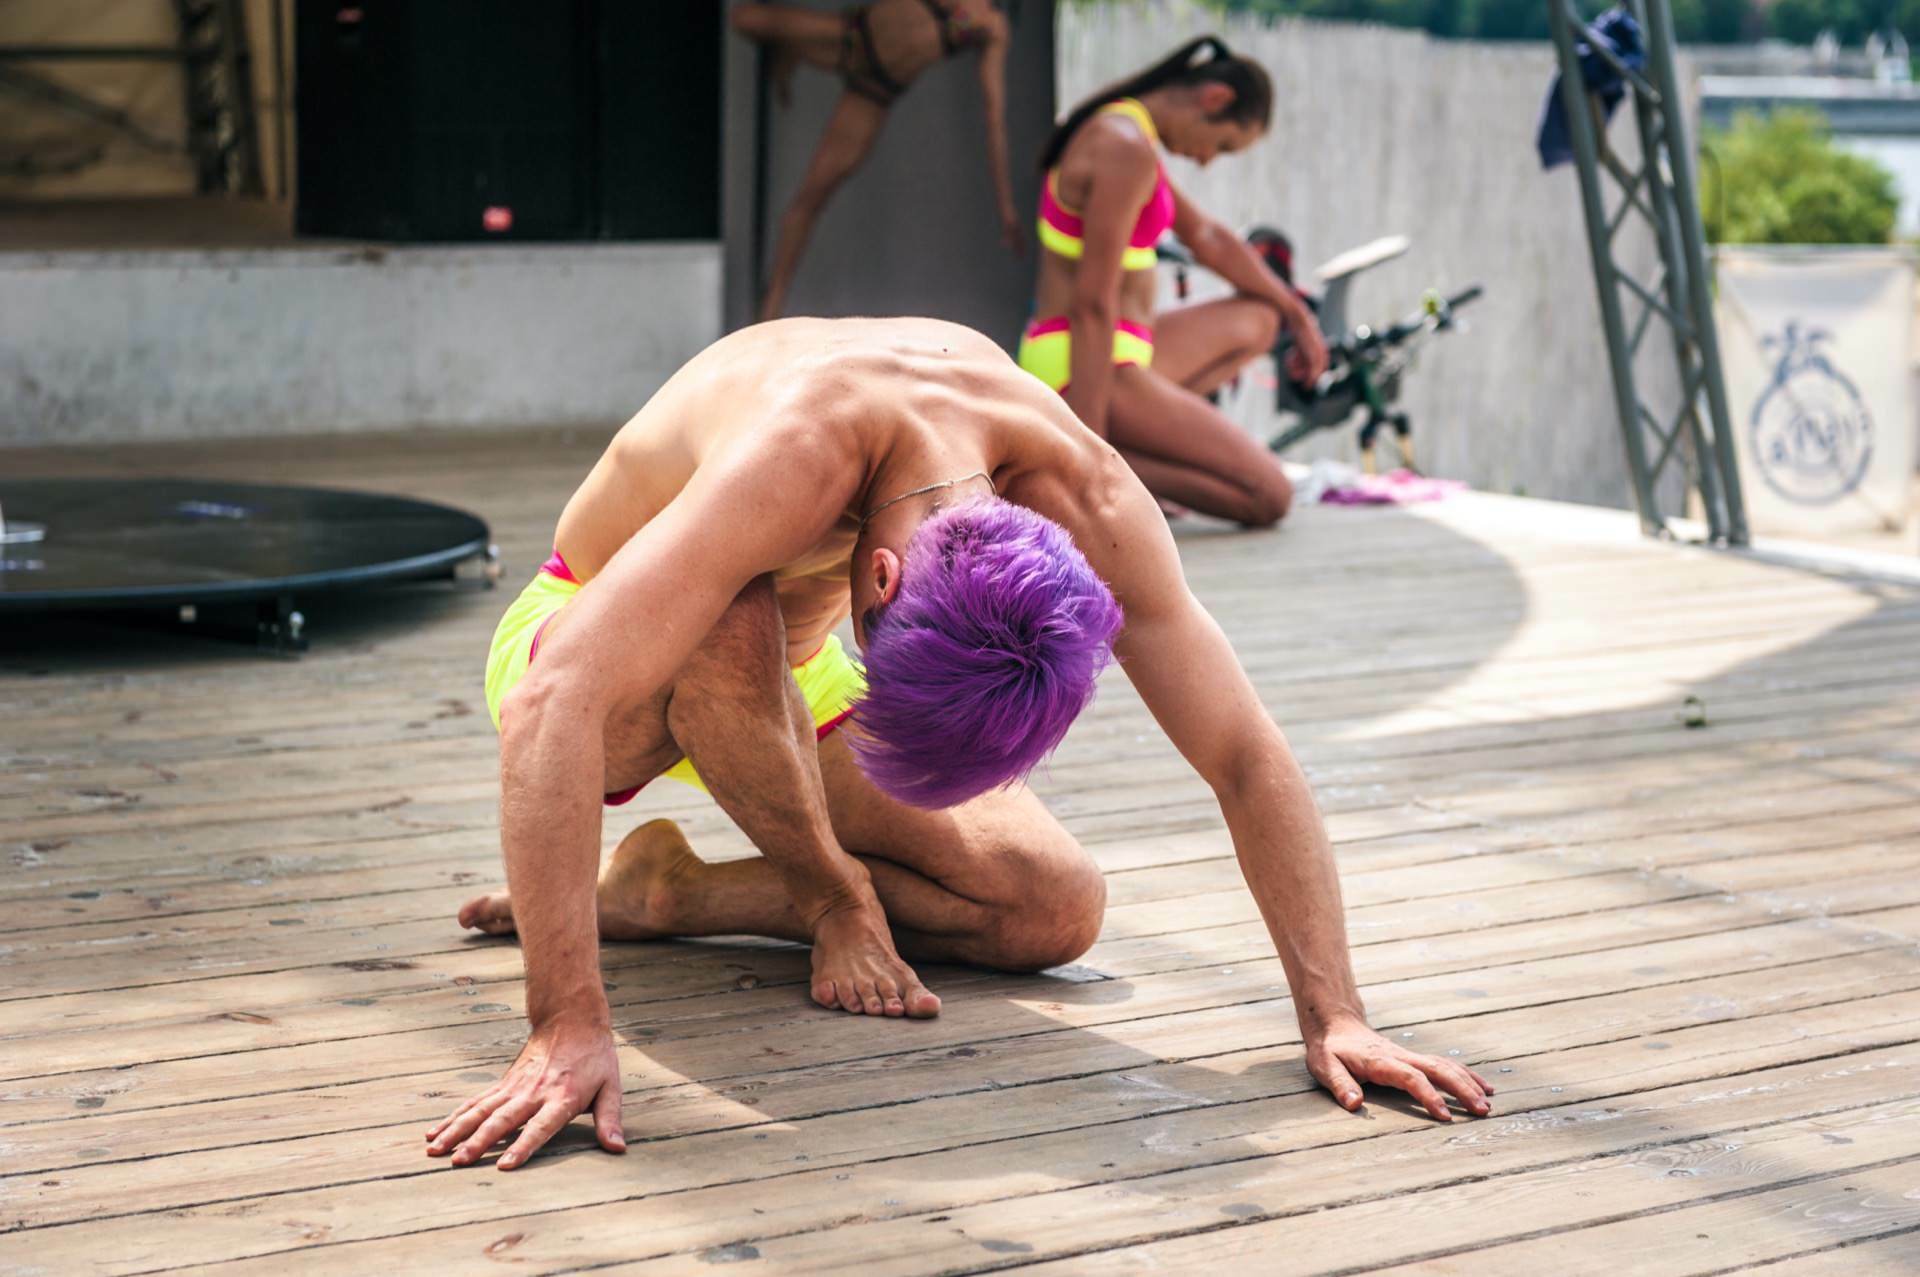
1402 487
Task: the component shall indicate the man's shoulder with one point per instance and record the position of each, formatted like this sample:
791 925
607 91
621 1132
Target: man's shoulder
1083 485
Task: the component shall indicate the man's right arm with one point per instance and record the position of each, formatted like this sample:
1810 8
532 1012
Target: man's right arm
629 631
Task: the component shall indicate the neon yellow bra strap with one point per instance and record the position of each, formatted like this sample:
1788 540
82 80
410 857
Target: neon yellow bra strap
1135 111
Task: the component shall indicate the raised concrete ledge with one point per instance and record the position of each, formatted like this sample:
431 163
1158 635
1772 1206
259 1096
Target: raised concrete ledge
117 345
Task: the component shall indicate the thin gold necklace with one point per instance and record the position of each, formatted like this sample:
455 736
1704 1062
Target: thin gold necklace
931 487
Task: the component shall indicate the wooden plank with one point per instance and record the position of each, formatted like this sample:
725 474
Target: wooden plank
75 1029
878 1180
1825 998
1545 872
1821 1210
1888 1253
407 926
1732 1145
174 1182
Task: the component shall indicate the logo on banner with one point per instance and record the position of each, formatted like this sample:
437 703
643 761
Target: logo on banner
1812 435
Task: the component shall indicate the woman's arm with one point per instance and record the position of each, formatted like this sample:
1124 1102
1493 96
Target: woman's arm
1124 172
1234 260
993 98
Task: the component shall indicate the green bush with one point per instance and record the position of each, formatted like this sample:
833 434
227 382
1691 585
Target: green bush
1780 179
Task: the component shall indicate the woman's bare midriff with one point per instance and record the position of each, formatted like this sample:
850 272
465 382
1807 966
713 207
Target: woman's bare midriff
1053 290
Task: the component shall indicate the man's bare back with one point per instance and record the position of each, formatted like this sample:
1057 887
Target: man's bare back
890 399
773 488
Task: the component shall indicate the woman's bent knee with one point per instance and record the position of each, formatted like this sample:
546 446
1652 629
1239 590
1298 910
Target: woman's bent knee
1269 503
1262 325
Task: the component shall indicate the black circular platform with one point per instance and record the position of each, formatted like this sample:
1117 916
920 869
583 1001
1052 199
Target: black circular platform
130 543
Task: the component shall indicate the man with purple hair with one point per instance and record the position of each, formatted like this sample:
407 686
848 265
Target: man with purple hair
904 473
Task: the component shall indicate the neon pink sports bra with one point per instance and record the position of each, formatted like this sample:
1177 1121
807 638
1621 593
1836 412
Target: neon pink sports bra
1062 230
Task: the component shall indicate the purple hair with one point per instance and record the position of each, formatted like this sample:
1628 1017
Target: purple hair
985 656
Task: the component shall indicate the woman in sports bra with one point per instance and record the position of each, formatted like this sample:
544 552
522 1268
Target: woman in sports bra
1137 377
878 50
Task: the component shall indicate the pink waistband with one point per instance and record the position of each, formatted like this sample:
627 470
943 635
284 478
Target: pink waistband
557 566
1060 324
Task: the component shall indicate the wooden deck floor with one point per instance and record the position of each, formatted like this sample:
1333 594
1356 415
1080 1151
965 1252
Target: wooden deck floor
234 994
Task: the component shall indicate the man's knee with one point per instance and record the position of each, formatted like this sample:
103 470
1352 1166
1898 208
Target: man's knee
1057 918
743 659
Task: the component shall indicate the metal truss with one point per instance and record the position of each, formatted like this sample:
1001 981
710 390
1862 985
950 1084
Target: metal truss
1661 190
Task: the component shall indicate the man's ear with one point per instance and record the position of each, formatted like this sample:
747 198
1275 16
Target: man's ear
886 575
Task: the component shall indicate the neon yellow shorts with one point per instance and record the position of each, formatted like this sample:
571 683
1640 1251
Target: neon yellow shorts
830 680
1046 349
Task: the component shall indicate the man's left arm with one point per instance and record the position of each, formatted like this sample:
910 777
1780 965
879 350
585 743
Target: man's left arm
1187 673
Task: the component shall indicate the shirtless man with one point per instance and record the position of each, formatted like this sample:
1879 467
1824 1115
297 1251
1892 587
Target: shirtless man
793 475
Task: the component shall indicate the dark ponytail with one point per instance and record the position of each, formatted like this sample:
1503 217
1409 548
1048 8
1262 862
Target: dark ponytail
1252 90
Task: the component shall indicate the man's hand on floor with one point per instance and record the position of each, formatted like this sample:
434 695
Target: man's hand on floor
567 1067
1346 1053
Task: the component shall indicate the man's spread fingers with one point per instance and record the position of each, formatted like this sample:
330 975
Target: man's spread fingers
606 1119
545 1124
506 1119
460 1126
1414 1083
1459 1081
480 1100
1346 1091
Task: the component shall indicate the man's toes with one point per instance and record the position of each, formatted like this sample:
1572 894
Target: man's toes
826 994
491 914
850 997
890 1000
921 1004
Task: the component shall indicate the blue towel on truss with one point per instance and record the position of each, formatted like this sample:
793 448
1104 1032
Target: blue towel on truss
1616 29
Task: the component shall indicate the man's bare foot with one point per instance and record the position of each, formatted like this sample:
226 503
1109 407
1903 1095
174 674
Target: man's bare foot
635 887
856 969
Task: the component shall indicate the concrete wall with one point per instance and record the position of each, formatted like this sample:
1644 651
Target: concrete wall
1380 131
112 347
914 231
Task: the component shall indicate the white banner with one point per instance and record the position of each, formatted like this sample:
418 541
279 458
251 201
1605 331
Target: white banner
1817 347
